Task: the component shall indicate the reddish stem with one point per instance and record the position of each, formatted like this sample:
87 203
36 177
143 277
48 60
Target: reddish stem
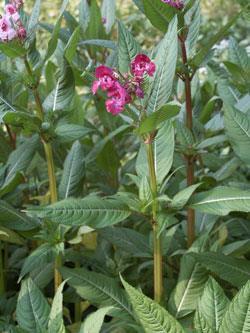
189 124
12 136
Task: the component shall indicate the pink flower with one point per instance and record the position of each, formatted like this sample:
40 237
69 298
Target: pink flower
142 65
122 89
105 79
175 3
11 13
21 32
114 106
119 97
7 32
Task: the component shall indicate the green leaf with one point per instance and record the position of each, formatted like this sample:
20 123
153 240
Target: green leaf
70 48
95 28
99 290
34 20
208 109
237 317
12 49
237 248
32 308
190 285
237 126
10 236
71 132
182 197
164 150
73 172
238 55
94 321
84 14
20 158
62 95
221 201
56 323
158 13
11 218
128 47
153 318
234 270
128 240
197 60
39 257
211 308
55 33
92 211
108 13
154 120
165 60
12 184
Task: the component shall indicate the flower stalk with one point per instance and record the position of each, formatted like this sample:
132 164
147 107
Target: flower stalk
50 166
189 123
158 271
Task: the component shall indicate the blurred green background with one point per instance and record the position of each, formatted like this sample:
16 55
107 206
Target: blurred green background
214 13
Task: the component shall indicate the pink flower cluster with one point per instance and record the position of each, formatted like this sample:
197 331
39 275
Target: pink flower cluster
11 26
122 89
179 4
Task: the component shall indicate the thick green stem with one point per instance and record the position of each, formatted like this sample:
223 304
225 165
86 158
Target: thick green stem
189 124
158 272
51 168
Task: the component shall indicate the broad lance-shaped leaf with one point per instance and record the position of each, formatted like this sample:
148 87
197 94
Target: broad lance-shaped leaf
108 12
32 308
99 289
153 317
84 14
154 120
39 257
56 313
158 13
237 126
20 158
163 146
12 49
221 201
234 270
128 240
182 197
92 211
13 219
34 20
190 285
237 316
164 150
62 95
73 172
71 47
211 308
128 47
165 61
52 44
94 321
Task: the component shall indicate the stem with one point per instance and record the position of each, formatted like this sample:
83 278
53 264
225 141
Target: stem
11 136
51 168
158 272
189 124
